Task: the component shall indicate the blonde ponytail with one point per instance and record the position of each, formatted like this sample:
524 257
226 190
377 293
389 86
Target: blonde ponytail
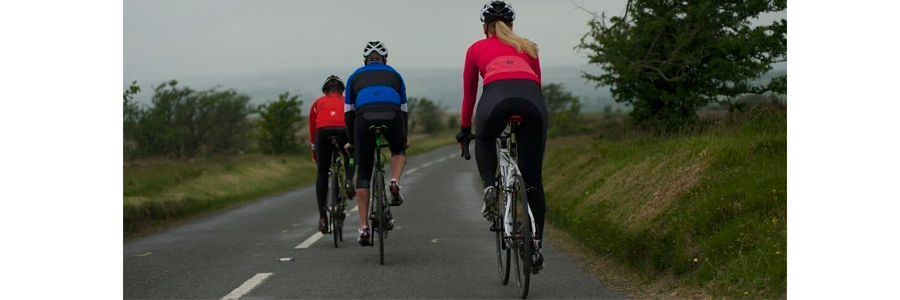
506 34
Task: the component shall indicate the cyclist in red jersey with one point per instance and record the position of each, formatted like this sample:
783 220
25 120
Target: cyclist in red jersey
326 119
511 72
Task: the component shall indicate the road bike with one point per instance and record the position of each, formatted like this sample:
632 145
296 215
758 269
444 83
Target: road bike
379 207
514 227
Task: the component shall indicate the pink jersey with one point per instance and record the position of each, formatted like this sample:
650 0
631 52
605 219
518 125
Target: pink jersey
493 60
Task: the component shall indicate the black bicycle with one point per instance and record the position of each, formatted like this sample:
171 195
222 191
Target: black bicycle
379 207
337 196
514 226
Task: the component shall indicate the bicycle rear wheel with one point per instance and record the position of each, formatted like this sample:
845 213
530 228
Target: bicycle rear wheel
503 257
378 198
522 235
335 195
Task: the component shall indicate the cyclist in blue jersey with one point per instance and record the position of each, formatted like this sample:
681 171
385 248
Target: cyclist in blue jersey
375 95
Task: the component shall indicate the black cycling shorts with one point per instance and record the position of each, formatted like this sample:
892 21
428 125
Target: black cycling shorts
364 140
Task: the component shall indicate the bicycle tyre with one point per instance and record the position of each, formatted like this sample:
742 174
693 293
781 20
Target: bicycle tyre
335 199
378 201
342 200
501 242
522 236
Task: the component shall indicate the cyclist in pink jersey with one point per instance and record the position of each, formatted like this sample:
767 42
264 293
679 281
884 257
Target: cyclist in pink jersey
511 73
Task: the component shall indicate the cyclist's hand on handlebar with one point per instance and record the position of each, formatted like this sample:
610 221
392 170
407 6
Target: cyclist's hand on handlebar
464 137
463 132
348 148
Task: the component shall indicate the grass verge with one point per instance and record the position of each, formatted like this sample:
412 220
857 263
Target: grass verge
161 192
158 192
421 143
702 212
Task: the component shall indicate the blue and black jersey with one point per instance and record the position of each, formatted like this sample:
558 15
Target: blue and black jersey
375 87
374 83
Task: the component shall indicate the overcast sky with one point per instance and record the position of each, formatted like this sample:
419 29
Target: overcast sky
177 39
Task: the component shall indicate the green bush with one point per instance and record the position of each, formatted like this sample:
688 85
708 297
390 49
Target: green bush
279 123
564 110
182 122
425 114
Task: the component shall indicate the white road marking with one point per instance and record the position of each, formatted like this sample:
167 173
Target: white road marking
355 208
451 156
247 286
311 240
413 170
144 254
425 165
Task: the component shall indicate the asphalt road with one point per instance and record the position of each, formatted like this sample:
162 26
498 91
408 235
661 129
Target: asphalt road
440 248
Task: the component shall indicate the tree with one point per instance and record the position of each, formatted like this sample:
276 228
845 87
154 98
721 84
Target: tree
182 122
131 111
131 114
667 58
279 123
564 110
426 113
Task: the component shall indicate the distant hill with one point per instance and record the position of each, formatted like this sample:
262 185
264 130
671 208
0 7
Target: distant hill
443 85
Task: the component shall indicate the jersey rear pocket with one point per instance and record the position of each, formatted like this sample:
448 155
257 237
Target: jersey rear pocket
507 64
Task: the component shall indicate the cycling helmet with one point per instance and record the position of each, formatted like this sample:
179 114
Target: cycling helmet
497 11
375 46
329 79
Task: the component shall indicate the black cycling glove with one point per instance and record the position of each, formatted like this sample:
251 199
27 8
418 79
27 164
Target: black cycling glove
463 132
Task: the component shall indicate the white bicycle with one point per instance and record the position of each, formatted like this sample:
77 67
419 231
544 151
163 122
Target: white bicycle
514 228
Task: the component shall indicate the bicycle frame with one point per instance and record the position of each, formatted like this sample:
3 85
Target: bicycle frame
337 163
379 167
508 170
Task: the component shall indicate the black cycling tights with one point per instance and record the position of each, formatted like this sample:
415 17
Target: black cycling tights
500 100
324 149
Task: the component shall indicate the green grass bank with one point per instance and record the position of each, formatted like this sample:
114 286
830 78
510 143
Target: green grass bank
704 211
158 192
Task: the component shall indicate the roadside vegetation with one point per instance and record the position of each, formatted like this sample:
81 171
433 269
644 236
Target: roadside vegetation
689 189
160 191
704 209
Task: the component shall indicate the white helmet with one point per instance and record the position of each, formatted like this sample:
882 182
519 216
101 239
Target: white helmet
375 46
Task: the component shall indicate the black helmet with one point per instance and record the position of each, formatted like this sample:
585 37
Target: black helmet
497 11
375 46
329 80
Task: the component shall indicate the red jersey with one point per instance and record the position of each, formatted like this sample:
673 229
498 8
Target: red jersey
327 111
493 60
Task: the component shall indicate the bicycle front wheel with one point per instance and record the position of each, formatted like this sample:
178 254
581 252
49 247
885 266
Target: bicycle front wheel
522 234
